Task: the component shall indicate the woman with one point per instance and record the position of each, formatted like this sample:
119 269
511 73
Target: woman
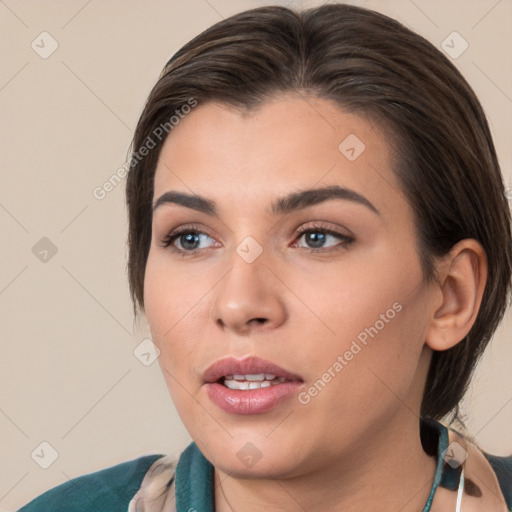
320 242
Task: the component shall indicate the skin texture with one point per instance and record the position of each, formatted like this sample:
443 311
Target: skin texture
358 439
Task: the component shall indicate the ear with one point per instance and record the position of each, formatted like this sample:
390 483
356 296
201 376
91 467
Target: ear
462 278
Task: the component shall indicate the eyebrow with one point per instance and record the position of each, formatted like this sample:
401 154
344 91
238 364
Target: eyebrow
280 206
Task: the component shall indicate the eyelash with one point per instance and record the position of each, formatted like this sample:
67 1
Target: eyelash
169 239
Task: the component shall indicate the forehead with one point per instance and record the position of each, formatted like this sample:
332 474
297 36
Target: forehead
291 142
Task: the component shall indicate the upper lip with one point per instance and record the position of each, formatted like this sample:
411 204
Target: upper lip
248 365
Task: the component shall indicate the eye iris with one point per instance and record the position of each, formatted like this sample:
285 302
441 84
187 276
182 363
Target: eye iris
316 239
192 238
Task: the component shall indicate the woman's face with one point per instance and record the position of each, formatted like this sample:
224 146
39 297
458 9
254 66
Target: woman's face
325 289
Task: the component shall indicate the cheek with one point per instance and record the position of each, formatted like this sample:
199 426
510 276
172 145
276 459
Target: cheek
163 313
171 299
343 300
369 313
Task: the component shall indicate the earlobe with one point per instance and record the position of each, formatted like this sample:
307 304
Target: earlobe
461 283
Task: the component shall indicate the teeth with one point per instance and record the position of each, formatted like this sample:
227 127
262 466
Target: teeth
251 383
236 384
251 376
255 376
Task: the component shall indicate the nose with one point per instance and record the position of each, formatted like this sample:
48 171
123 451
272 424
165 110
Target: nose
249 297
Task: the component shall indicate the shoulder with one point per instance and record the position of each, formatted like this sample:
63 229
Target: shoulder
502 466
107 489
488 478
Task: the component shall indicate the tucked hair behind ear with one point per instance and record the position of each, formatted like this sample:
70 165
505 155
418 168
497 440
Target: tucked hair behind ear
372 65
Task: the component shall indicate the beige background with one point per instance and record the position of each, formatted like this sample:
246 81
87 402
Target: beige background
69 375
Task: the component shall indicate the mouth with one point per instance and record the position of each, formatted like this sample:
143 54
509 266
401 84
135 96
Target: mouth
248 373
249 386
251 381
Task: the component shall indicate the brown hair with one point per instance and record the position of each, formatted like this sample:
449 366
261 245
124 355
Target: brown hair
370 64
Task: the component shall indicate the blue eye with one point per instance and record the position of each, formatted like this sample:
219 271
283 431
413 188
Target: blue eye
316 237
189 239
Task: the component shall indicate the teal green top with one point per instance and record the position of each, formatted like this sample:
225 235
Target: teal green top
111 489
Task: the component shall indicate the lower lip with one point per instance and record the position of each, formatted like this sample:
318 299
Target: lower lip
251 401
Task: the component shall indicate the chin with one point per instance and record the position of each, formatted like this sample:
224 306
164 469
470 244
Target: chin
262 469
250 456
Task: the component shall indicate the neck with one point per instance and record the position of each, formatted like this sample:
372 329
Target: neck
389 468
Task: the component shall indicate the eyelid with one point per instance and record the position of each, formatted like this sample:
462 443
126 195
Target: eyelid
325 226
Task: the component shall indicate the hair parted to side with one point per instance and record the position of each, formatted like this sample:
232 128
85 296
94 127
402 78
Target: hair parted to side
369 64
